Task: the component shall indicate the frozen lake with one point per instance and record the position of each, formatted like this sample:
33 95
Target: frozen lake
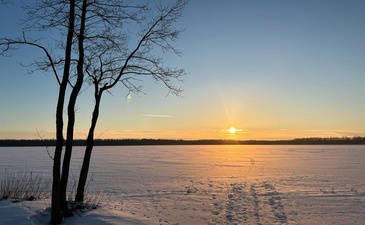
219 184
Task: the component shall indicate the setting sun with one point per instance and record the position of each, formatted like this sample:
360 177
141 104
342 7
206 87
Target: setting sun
232 130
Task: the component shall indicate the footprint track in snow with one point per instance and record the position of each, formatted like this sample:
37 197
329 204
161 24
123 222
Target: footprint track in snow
250 203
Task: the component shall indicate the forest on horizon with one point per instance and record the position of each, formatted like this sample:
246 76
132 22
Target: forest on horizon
128 142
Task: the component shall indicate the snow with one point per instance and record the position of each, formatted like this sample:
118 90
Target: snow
13 214
206 185
34 213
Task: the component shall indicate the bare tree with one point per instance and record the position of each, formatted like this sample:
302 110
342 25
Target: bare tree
112 59
71 107
56 213
109 42
48 15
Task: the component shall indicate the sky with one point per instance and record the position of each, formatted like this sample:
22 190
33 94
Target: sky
272 69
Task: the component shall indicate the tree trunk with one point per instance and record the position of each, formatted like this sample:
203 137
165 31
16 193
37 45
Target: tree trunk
56 214
69 143
89 147
71 116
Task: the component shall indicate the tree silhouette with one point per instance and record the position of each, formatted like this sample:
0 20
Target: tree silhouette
45 16
112 59
110 42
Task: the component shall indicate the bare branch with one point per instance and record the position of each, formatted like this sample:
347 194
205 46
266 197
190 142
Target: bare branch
158 33
41 137
7 45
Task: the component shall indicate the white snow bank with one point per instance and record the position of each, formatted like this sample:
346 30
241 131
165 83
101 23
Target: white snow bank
13 214
37 213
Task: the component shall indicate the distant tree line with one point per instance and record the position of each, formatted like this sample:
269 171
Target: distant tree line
131 142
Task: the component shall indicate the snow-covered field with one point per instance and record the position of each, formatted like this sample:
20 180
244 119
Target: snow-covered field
206 185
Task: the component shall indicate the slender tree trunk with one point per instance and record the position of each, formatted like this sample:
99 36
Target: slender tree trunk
69 144
56 214
71 116
89 147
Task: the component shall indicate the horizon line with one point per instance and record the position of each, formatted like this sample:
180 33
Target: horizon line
201 139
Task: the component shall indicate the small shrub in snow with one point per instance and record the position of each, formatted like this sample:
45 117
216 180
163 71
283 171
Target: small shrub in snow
23 185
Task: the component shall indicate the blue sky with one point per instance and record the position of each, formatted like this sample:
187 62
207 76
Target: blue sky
272 69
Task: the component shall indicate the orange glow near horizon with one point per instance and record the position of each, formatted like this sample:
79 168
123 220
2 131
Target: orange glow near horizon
232 133
238 134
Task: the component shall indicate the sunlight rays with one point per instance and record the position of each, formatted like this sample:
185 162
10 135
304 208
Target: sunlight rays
232 132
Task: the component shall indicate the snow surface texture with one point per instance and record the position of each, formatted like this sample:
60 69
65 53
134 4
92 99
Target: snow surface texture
207 185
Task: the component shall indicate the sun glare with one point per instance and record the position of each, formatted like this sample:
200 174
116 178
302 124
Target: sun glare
232 130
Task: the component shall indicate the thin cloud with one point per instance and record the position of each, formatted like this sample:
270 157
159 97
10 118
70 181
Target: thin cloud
339 133
158 115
